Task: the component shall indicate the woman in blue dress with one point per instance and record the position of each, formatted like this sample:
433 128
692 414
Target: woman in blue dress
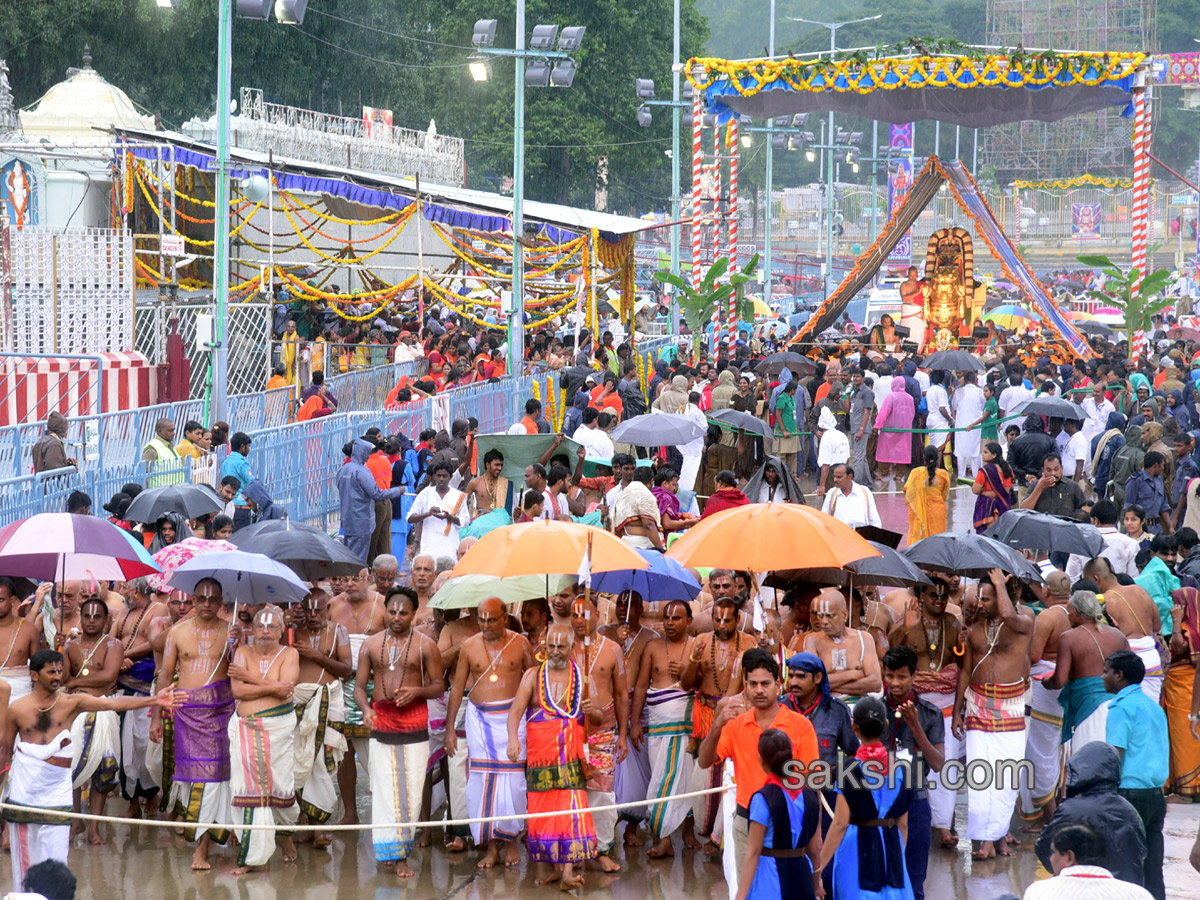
865 843
785 840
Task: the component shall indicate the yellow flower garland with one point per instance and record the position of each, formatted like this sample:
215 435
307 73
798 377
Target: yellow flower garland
1086 180
408 210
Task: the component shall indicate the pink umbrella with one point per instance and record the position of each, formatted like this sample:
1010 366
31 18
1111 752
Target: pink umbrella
1107 311
173 556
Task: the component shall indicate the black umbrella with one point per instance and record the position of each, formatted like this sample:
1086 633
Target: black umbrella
1025 529
734 418
269 525
953 361
309 552
969 554
188 500
786 359
1054 407
889 569
1090 327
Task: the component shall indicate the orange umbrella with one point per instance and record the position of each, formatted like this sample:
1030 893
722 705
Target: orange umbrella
546 547
763 537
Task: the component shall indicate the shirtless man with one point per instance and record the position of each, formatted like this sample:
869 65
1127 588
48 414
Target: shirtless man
64 622
1082 650
1043 745
91 664
535 620
450 642
263 674
713 671
324 651
603 666
723 584
360 610
632 636
989 709
488 673
659 694
488 491
560 605
934 634
384 571
849 654
132 628
158 753
36 743
196 656
19 638
1133 611
421 577
406 671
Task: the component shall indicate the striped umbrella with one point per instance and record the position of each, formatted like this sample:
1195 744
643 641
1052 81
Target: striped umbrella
1009 316
67 547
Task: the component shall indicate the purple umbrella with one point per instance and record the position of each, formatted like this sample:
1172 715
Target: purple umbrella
66 547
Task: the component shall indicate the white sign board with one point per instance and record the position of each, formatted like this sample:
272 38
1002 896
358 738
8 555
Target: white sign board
172 245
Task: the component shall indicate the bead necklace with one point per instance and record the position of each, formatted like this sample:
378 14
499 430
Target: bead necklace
931 645
392 655
84 669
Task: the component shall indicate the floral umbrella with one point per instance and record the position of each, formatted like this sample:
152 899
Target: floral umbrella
172 556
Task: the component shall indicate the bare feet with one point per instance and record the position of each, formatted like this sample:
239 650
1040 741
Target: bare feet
402 869
350 818
550 878
1005 847
606 864
135 809
663 849
242 870
632 838
512 855
422 838
947 838
710 848
983 850
77 828
322 838
289 849
492 857
457 845
570 879
200 861
689 835
94 836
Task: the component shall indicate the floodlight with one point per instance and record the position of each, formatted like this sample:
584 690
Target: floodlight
255 9
709 120
781 121
537 73
571 38
854 168
563 73
747 140
543 37
779 141
687 91
843 136
810 155
290 12
809 137
480 68
485 33
795 143
644 117
166 4
856 137
799 120
645 88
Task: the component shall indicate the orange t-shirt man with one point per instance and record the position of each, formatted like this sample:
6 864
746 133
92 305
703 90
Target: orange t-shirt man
739 742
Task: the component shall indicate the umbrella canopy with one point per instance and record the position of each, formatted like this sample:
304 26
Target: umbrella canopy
953 361
189 500
546 547
250 579
1078 315
172 556
665 580
889 569
1011 311
1026 529
310 553
734 418
658 430
1183 334
67 547
521 450
268 525
468 591
786 359
969 554
763 537
1093 327
1054 407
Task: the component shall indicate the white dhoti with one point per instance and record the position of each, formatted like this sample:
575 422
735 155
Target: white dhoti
495 784
438 794
204 801
688 471
1043 745
357 734
456 772
638 541
40 779
995 731
137 779
262 778
942 798
397 782
1147 652
672 768
319 748
18 681
632 777
1093 728
95 748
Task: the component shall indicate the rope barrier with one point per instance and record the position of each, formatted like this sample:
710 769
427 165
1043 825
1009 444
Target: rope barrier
361 826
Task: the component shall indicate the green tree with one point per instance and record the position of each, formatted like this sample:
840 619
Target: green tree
698 306
1140 309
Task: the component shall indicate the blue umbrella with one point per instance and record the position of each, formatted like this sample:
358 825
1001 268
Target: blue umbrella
664 580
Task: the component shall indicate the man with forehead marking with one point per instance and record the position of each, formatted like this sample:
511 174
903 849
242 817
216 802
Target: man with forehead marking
262 740
849 654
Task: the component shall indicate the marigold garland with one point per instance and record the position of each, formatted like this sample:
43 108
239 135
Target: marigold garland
408 209
1085 180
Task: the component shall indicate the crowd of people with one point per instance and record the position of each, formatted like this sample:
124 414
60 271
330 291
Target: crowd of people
608 716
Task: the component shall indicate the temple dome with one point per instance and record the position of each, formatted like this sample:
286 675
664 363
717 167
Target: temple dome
72 110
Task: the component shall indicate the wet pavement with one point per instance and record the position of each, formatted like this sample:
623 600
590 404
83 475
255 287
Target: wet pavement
154 863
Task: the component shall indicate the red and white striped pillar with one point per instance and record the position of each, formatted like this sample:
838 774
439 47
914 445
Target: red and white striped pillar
697 184
1141 183
734 147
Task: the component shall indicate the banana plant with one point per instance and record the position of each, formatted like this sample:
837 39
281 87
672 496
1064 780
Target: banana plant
698 306
1119 292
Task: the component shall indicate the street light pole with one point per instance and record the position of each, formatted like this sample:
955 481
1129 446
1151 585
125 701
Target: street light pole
676 210
770 173
219 351
516 312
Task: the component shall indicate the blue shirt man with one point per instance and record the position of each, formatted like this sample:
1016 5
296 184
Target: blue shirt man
237 464
1137 727
1145 489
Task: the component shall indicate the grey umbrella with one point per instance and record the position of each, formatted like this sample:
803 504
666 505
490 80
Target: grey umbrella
969 554
953 361
1053 407
308 552
889 569
734 418
1026 529
786 359
658 430
189 500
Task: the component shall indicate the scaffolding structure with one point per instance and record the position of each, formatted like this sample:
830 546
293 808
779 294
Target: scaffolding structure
1097 142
